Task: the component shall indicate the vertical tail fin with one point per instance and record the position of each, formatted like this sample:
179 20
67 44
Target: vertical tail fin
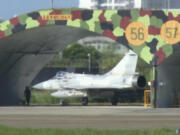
127 65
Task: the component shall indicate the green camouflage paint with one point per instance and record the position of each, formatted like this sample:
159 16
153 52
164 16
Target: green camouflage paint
110 23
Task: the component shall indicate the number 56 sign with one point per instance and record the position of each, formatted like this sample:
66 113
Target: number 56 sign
137 33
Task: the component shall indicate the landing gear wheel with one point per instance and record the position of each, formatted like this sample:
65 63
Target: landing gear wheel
85 101
62 103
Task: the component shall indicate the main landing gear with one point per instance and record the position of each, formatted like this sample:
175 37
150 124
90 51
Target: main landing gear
114 100
85 101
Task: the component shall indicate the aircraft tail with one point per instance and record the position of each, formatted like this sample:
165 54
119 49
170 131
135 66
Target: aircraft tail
127 65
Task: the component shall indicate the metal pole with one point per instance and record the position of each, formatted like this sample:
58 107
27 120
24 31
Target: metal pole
154 87
89 62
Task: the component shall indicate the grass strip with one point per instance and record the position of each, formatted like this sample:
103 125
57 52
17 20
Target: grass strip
27 131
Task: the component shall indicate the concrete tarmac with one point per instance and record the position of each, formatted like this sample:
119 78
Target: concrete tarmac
97 117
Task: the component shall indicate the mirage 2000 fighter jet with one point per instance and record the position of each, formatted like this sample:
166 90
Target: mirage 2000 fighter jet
121 77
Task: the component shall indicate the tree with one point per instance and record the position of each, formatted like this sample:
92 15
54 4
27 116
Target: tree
78 52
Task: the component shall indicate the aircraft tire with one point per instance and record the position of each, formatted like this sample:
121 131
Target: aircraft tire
85 101
62 103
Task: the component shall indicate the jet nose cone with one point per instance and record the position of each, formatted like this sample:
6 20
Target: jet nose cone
56 94
38 86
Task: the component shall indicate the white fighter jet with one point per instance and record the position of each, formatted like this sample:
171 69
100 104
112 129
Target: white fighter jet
121 77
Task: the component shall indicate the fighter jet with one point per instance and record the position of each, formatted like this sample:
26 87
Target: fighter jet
121 77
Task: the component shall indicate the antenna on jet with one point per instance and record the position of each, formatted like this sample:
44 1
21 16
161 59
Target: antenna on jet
52 4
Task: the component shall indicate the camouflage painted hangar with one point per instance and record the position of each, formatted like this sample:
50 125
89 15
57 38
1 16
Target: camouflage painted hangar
29 41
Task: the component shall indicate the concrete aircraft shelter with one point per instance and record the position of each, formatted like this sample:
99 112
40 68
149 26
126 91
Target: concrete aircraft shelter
29 41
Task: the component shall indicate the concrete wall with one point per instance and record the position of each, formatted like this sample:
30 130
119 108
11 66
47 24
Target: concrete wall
168 86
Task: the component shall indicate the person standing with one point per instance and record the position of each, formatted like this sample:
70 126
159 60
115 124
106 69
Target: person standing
27 94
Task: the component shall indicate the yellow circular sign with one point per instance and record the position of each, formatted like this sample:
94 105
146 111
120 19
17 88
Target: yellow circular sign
170 32
136 33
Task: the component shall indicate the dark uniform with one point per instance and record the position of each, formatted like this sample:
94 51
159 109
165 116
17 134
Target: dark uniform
27 94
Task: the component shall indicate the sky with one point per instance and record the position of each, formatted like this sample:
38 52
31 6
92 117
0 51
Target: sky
10 8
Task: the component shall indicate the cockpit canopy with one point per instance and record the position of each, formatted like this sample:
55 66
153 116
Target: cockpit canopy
62 75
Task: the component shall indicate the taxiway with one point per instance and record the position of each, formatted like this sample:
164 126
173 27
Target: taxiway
97 117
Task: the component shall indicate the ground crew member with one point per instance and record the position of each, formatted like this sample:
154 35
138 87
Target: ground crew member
27 94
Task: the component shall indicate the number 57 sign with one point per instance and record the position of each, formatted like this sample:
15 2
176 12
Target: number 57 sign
170 32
